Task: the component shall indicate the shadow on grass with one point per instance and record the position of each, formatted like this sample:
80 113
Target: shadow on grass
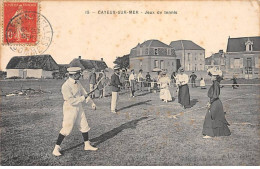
192 103
136 104
110 134
143 94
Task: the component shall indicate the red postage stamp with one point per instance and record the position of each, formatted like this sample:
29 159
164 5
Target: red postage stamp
20 22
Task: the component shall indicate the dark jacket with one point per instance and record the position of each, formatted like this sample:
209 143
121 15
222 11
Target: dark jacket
115 82
92 78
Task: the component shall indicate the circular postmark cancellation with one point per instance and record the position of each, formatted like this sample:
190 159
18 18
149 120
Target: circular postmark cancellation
29 33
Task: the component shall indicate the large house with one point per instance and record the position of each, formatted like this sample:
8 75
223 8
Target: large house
36 66
191 55
216 60
242 57
153 54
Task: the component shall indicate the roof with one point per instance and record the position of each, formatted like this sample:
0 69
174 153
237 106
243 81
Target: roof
89 64
153 43
238 44
185 45
45 62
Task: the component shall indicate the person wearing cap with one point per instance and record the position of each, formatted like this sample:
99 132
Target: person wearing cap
92 81
122 78
140 79
115 83
132 80
164 84
182 80
74 95
193 77
215 123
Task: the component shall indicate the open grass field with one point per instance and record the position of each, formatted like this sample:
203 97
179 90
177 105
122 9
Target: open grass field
144 132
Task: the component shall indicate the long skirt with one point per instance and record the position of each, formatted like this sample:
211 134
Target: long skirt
184 95
165 94
215 123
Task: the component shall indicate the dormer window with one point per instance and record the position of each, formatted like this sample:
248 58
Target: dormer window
156 51
249 45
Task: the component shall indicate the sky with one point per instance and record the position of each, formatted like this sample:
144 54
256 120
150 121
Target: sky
107 36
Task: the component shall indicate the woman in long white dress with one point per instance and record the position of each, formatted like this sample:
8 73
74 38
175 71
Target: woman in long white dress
164 82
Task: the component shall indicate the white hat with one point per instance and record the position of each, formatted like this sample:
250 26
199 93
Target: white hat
74 70
116 67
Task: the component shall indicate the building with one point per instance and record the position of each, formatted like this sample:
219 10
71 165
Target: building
191 55
242 57
216 60
36 66
89 64
152 54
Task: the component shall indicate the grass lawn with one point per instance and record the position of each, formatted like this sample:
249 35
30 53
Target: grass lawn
144 131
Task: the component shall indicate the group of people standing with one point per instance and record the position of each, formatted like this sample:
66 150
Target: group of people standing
215 123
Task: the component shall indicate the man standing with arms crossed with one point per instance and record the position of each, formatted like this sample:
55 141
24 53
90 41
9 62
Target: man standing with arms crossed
74 94
115 83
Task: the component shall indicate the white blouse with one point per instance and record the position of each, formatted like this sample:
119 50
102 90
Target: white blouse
182 79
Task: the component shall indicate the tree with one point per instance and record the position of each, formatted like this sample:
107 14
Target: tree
122 62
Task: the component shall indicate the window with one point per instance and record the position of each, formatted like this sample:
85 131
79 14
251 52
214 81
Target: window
256 62
146 51
156 64
161 64
188 56
156 52
141 51
195 67
236 62
249 66
168 51
249 45
141 64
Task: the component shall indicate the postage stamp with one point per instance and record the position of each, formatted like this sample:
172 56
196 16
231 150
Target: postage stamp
20 22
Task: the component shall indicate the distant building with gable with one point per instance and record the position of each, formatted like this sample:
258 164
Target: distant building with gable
190 55
36 66
216 60
242 57
87 65
153 54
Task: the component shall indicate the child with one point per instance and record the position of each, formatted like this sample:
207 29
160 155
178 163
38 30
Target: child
202 83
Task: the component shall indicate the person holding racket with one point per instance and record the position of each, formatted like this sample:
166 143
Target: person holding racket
74 95
116 84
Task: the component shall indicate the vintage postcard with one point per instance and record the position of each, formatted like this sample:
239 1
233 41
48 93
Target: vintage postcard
129 83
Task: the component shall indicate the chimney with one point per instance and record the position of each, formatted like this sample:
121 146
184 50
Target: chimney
102 59
79 57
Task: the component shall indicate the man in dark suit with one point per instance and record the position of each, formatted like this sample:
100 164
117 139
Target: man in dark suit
193 77
115 83
92 81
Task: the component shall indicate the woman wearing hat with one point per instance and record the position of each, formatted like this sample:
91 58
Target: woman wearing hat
215 123
184 95
164 83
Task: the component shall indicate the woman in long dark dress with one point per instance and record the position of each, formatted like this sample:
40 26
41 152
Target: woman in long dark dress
182 80
215 123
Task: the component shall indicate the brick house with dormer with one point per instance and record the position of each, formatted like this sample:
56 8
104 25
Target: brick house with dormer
242 57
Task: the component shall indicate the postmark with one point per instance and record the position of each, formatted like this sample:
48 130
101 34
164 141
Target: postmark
28 32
